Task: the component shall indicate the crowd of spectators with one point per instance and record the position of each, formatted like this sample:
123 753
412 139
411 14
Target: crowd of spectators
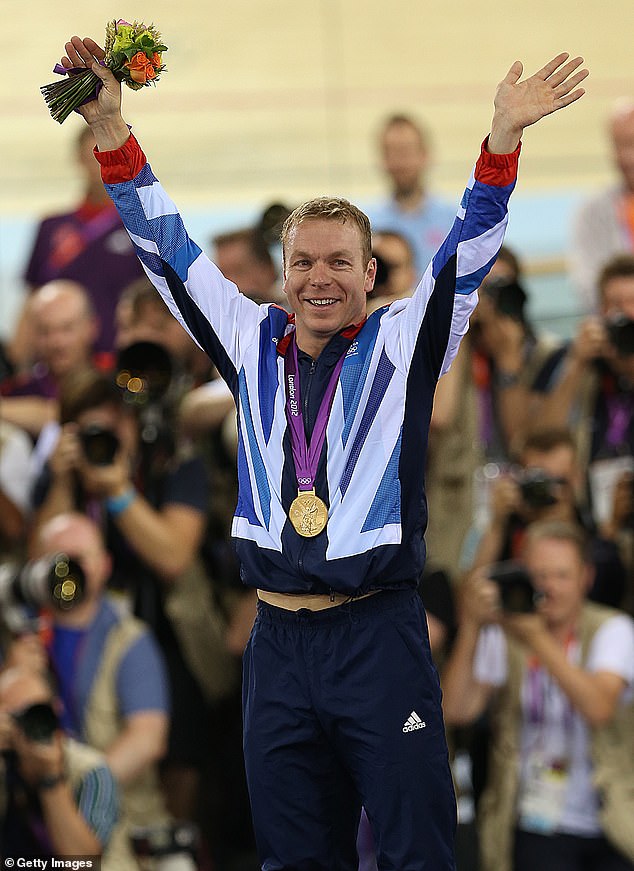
118 446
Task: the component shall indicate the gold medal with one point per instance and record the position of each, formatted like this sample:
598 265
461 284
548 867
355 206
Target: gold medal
308 514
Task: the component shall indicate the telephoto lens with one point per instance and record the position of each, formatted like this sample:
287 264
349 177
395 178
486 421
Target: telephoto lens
54 580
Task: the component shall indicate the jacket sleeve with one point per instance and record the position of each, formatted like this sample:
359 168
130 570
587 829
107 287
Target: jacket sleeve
218 317
436 317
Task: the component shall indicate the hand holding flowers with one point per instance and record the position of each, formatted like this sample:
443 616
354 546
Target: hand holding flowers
133 52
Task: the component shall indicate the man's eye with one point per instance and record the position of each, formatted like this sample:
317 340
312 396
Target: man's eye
340 262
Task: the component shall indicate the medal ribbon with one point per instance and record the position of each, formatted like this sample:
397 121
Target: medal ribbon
306 456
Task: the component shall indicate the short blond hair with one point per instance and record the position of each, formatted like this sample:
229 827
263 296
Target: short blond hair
329 209
559 530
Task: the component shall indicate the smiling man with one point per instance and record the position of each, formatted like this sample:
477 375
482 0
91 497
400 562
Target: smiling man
333 413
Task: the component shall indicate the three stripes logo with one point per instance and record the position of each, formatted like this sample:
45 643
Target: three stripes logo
413 723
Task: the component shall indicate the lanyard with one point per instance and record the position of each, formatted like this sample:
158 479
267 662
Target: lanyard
305 455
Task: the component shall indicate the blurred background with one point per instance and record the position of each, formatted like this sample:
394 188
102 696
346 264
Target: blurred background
269 100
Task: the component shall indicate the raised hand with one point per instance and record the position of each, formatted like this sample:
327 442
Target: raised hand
518 104
103 114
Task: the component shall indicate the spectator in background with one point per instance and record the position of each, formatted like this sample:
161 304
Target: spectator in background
547 485
110 674
86 245
58 797
151 502
481 406
411 210
142 316
395 272
593 392
561 679
244 258
604 225
509 358
64 329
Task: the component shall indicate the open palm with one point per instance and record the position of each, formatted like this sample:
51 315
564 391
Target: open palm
548 90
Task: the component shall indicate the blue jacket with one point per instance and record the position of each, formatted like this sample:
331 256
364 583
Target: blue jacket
371 472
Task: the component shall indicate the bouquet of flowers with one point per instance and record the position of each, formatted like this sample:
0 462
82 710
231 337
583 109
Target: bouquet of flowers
132 51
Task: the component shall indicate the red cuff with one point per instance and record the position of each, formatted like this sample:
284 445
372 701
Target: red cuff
498 170
122 164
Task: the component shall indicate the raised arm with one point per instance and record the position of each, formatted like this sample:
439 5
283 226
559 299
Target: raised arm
472 245
221 320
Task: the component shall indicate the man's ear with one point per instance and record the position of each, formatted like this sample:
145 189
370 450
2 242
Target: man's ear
370 274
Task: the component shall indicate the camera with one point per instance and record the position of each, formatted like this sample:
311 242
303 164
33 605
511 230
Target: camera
508 297
100 445
145 376
170 839
517 593
38 722
620 331
538 488
54 580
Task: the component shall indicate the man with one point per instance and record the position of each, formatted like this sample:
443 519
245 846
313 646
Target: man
561 771
592 392
547 485
395 259
341 700
64 330
58 798
111 677
604 225
422 218
244 258
86 245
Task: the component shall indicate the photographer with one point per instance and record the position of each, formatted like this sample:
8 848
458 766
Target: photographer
545 486
151 504
561 678
58 798
509 358
594 385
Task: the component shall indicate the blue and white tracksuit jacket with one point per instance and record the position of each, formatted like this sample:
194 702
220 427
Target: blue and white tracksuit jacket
371 473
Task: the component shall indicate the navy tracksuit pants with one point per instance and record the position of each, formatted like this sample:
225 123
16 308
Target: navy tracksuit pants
342 709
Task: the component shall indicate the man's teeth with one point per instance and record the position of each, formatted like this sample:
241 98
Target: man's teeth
321 301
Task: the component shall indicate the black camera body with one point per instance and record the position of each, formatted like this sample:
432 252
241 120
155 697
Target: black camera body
517 593
538 488
508 297
57 581
99 445
620 331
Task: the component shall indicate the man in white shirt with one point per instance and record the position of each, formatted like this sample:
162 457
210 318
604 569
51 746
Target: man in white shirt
562 672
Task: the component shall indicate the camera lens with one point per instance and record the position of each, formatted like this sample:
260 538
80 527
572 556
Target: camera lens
38 722
100 446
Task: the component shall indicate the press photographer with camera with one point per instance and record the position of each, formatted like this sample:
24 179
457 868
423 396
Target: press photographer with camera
150 501
57 797
509 357
594 391
560 680
546 484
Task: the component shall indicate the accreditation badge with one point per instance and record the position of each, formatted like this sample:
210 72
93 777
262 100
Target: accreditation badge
543 795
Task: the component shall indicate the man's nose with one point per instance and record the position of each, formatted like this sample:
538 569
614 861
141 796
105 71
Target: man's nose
319 274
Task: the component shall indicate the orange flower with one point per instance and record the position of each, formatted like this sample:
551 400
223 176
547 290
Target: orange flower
140 67
156 59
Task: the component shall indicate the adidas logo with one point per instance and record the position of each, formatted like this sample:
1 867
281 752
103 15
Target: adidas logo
413 723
